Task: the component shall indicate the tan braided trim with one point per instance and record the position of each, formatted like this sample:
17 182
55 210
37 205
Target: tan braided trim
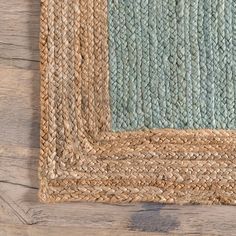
81 159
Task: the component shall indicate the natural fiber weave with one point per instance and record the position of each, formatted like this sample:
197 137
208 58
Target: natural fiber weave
83 156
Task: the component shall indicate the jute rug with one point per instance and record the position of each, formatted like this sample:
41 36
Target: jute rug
138 101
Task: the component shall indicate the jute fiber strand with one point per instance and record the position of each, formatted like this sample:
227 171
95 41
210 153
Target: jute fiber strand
83 158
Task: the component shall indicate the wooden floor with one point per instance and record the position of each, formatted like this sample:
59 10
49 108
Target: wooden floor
21 213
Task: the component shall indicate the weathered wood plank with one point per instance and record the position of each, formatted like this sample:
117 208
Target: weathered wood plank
34 230
20 211
19 33
6 213
19 107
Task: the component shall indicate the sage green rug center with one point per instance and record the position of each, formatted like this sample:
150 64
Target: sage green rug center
172 64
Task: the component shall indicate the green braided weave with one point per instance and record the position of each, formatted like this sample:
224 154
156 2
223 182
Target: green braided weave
172 64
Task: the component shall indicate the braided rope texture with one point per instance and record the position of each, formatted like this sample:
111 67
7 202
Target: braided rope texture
172 64
125 98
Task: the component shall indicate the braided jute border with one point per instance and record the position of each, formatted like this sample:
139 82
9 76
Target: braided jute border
82 159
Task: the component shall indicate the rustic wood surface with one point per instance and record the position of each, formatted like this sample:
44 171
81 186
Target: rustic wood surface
20 211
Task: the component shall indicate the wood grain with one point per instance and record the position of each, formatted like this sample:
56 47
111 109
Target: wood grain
20 211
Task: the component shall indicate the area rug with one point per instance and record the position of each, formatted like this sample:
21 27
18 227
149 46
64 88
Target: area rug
138 101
